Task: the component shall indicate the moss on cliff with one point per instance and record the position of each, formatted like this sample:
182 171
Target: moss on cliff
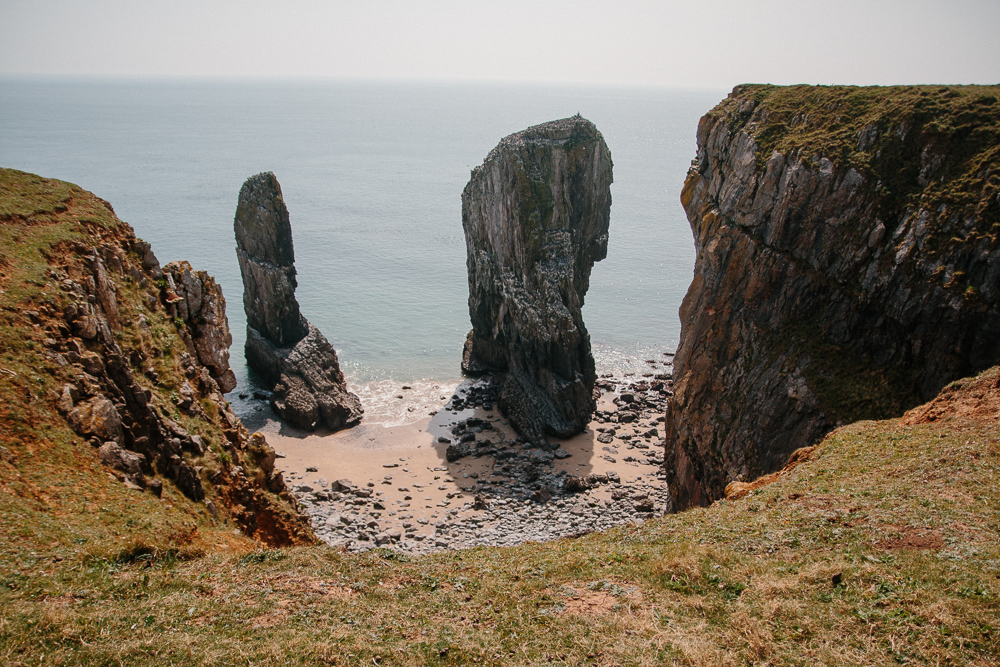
892 135
927 148
849 387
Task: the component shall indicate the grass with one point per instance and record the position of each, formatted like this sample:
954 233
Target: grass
883 549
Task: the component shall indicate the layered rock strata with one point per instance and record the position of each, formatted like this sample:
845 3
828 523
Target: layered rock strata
287 351
847 268
535 216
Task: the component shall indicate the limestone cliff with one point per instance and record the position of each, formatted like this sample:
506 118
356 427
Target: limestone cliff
282 346
133 358
536 216
847 268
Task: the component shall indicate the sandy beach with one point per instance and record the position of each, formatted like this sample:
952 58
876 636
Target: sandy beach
391 484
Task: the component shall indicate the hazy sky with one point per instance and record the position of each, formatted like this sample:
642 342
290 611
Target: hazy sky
695 43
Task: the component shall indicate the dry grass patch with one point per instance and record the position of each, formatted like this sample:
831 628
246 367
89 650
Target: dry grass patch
590 603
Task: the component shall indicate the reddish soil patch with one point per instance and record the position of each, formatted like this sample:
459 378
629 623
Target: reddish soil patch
975 398
912 539
591 603
737 490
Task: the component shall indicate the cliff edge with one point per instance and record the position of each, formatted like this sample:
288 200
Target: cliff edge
536 216
113 372
847 269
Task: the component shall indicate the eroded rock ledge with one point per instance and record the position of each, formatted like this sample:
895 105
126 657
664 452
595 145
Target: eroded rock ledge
847 268
287 351
535 216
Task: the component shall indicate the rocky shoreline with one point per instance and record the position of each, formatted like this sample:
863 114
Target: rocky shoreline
464 478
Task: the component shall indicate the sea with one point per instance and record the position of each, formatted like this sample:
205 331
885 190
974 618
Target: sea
372 173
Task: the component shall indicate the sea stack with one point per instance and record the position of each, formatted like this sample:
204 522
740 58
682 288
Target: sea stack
535 216
284 348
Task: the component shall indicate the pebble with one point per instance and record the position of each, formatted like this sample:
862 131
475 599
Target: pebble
524 499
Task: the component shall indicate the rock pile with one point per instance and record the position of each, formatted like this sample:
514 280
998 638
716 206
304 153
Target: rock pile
535 216
284 348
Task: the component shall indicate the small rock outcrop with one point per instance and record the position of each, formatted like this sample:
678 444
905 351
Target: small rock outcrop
288 352
197 299
535 216
847 268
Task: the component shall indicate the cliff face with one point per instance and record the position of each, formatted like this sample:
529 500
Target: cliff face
197 299
536 216
847 268
133 357
284 348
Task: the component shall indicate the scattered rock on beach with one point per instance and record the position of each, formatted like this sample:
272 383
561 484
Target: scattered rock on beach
519 496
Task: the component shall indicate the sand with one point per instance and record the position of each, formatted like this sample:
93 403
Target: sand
406 468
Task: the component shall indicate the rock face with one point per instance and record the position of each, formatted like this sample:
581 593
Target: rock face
535 216
197 299
847 268
127 351
286 350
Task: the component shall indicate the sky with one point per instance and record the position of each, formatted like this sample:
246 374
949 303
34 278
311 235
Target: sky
697 43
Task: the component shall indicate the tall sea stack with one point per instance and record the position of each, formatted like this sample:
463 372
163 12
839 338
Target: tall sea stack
535 216
847 268
284 348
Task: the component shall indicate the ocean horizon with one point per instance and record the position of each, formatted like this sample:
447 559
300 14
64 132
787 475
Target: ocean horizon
372 173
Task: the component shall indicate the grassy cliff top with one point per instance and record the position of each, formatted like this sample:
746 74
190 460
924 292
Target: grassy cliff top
890 134
57 502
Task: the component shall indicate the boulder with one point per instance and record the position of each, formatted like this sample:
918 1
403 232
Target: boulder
187 478
536 216
344 485
458 450
575 484
96 417
110 454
